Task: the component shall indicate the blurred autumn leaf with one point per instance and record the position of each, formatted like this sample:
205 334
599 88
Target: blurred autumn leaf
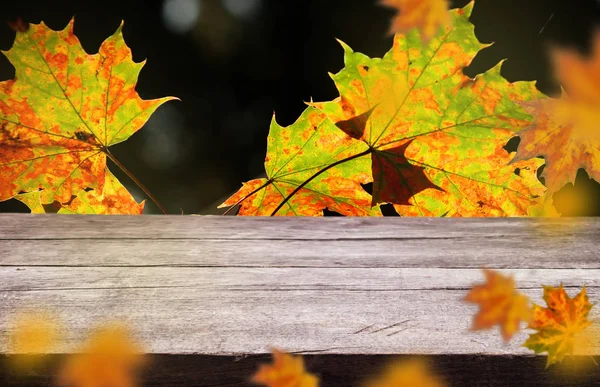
426 15
565 130
499 304
32 333
110 358
411 373
285 371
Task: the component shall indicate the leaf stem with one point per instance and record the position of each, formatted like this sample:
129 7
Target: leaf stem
135 180
247 196
287 198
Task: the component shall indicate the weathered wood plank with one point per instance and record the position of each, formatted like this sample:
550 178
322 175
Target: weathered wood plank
187 320
292 242
231 286
29 226
516 252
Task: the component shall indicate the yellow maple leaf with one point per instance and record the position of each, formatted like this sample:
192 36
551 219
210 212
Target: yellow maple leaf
285 371
562 326
412 373
499 304
110 358
426 15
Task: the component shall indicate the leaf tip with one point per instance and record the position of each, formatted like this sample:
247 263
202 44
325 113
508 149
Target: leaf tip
487 45
69 28
467 10
347 48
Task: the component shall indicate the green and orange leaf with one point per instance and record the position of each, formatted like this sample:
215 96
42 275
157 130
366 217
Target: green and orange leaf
114 199
299 151
285 371
499 304
565 131
425 15
437 136
560 325
63 111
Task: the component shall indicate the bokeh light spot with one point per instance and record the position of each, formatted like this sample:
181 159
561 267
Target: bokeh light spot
242 9
181 16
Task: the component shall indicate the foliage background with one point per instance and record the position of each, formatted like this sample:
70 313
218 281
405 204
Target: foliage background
241 60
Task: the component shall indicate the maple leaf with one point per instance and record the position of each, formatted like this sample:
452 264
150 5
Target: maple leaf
426 15
412 373
109 358
436 136
499 304
560 324
115 199
32 201
297 152
286 371
63 111
565 131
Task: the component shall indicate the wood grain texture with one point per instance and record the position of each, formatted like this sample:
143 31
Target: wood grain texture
235 286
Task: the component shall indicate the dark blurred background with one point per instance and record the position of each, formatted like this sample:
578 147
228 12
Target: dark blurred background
235 62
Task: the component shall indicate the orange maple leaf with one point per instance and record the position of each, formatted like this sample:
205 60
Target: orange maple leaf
426 15
412 373
561 326
565 130
285 371
109 359
499 303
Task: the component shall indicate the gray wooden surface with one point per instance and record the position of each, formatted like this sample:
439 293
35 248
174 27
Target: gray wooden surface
235 285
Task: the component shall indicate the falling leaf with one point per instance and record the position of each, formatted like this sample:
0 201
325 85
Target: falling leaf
560 325
437 136
285 371
565 130
32 333
63 111
297 152
579 75
499 304
110 358
412 373
425 15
